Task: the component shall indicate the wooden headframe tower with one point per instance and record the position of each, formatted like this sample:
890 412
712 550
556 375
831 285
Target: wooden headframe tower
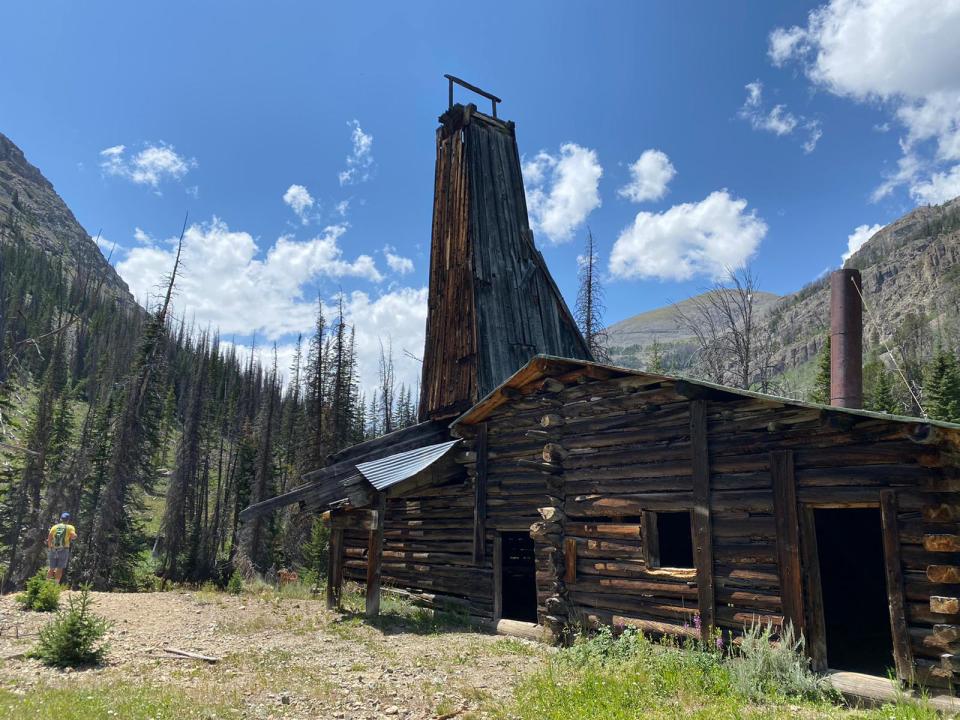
493 304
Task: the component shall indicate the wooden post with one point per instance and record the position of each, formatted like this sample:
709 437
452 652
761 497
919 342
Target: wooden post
702 525
480 498
335 568
788 537
497 577
375 558
650 538
569 560
812 596
902 655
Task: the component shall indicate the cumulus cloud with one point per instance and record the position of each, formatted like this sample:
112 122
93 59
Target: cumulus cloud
398 263
150 166
939 188
858 237
298 199
777 120
562 190
649 177
902 53
398 319
360 160
227 284
702 238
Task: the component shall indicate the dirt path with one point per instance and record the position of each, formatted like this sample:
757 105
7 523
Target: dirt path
284 657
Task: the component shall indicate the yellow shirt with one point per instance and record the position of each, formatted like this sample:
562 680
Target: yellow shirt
60 535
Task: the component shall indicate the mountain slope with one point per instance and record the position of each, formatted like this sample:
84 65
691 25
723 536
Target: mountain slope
32 210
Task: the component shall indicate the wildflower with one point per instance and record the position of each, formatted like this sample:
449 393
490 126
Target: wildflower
719 642
696 621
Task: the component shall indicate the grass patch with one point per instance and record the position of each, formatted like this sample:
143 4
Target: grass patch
629 677
107 701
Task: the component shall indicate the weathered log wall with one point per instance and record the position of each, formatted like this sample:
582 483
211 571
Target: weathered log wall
605 453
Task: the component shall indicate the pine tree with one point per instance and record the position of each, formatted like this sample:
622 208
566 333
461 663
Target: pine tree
942 387
821 384
655 365
883 399
115 538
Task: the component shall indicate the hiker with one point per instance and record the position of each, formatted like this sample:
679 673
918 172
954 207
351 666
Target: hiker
58 547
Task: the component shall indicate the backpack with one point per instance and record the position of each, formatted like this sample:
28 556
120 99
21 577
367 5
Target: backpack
59 535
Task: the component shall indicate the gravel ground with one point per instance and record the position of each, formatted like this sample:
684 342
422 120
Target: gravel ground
283 657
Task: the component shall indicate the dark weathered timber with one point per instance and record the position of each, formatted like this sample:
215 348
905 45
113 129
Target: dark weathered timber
375 558
497 577
815 624
570 560
702 526
788 537
335 559
902 656
493 304
480 496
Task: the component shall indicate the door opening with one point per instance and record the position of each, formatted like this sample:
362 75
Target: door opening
518 584
853 584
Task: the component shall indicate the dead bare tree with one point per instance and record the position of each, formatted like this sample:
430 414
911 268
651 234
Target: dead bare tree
590 306
733 347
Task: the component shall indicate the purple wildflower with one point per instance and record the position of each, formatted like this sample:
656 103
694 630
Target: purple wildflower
696 621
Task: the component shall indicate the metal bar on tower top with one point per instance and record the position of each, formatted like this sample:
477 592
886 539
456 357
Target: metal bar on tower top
473 88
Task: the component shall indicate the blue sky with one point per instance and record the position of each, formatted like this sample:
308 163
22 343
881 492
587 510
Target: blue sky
772 132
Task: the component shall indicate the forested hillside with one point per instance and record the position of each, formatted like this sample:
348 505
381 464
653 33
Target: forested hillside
150 432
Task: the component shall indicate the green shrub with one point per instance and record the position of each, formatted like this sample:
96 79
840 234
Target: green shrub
316 551
761 668
235 584
40 594
74 637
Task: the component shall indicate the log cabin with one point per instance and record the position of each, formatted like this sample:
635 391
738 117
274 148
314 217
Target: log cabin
541 487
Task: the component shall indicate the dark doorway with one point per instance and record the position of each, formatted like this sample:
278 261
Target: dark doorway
853 583
518 582
675 536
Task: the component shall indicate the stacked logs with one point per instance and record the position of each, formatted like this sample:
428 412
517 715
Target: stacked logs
548 535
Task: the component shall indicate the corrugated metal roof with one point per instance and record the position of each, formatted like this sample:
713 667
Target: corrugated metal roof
390 470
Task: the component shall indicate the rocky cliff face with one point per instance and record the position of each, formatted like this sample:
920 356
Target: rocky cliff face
32 210
910 266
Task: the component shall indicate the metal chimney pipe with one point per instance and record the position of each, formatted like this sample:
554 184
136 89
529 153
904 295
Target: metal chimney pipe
846 339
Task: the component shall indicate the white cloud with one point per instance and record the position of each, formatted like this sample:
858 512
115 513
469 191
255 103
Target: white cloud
902 53
858 237
150 166
649 177
562 190
784 44
227 284
360 160
396 318
703 238
940 188
779 120
298 198
397 263
142 237
399 318
342 207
